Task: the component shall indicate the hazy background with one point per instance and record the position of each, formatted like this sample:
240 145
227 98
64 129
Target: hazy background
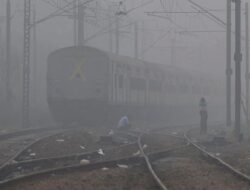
190 41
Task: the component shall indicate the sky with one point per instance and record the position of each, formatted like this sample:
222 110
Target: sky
162 38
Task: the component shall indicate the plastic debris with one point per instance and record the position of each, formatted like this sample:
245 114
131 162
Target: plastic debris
60 140
217 154
33 154
174 133
13 162
100 151
125 142
84 162
4 131
122 166
82 147
145 146
105 169
137 153
19 168
111 132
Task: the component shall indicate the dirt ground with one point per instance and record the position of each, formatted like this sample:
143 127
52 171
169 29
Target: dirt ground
9 148
69 143
184 171
231 151
235 154
112 179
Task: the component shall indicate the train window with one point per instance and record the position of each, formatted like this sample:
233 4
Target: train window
155 74
170 88
196 89
183 87
115 78
120 81
206 90
137 84
154 85
163 76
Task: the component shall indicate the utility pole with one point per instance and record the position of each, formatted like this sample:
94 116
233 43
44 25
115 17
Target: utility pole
117 34
8 61
238 59
110 30
136 40
26 65
143 41
228 67
34 58
80 24
173 50
75 22
247 65
1 48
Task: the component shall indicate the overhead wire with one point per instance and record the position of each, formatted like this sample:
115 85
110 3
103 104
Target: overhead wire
60 11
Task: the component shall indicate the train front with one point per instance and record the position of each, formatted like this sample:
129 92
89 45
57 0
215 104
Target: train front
77 85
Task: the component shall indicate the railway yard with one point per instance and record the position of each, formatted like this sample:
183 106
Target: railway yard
124 95
174 157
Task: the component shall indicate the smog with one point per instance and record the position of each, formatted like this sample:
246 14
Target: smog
124 94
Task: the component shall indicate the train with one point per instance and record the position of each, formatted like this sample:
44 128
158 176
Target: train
90 86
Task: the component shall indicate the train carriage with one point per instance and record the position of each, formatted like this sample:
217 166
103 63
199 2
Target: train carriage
90 86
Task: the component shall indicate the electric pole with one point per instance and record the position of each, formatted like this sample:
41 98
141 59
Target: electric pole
26 65
34 58
80 24
117 34
228 67
110 30
8 61
136 40
238 59
173 50
247 65
75 22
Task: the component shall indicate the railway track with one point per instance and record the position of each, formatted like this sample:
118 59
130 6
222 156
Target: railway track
18 165
124 154
14 142
54 166
204 153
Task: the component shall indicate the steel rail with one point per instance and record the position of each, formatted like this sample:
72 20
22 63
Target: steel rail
13 164
130 160
54 162
18 133
218 160
150 168
18 153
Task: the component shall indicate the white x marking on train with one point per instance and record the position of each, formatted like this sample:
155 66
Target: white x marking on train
78 71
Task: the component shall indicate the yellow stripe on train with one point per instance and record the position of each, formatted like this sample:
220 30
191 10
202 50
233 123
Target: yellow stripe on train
78 71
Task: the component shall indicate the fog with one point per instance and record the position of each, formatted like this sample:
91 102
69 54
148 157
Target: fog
181 37
124 94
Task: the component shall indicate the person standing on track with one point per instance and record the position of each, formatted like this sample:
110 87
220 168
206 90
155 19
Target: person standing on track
203 116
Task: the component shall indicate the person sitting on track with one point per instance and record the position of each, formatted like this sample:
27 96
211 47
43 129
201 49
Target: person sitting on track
124 123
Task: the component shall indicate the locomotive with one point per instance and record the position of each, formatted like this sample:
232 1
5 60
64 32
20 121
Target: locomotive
90 86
